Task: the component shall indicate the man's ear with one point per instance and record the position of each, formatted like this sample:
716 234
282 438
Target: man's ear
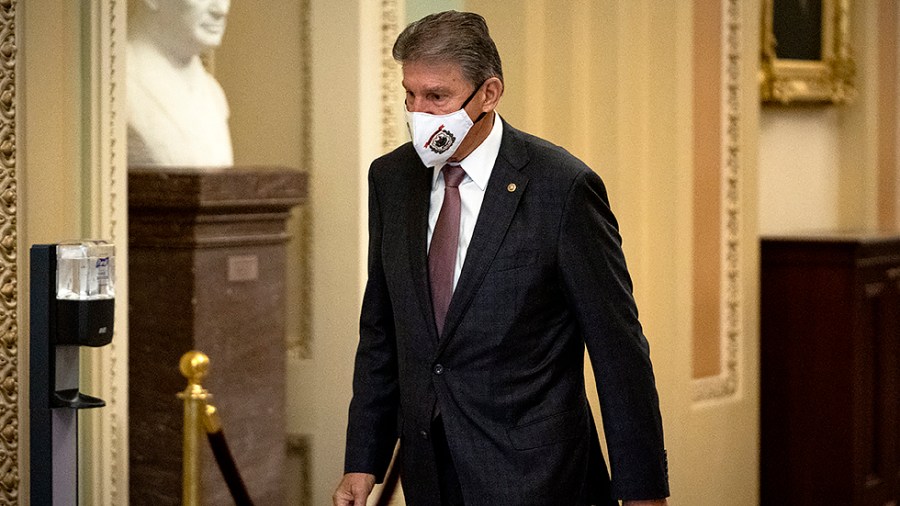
493 90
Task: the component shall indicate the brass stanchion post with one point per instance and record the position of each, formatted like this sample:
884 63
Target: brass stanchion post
194 366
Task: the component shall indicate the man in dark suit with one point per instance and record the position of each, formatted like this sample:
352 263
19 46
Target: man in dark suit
494 259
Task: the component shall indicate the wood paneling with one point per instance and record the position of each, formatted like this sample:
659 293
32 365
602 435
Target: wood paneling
829 356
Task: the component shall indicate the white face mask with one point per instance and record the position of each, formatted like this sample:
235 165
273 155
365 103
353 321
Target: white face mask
437 137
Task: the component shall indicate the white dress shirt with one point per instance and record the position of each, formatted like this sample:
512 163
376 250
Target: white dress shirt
478 166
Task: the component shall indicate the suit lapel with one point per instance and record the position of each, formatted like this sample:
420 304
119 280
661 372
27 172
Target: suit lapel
417 235
502 195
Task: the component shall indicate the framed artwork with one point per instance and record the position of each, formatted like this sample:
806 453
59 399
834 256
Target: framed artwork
805 52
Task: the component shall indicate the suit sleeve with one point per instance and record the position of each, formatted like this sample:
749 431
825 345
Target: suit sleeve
600 291
372 422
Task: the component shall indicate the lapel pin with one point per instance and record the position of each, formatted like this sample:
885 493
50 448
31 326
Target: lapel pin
511 187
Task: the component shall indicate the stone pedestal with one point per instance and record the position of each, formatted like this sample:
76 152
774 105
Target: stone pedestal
206 272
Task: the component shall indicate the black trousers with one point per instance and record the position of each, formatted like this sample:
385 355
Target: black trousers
451 492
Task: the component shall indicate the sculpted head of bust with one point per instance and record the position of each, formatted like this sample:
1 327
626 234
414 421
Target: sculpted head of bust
177 112
181 27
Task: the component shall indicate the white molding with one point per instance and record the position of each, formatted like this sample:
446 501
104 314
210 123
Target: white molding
105 370
726 384
392 134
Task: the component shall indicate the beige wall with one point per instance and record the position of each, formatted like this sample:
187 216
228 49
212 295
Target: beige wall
822 166
49 154
799 169
261 68
337 234
50 158
613 83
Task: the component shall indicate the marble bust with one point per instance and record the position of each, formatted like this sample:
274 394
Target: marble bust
177 112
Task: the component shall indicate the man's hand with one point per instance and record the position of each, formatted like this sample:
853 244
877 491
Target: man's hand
354 489
652 502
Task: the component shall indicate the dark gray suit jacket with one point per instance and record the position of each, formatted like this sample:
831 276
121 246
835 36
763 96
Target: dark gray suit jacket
544 276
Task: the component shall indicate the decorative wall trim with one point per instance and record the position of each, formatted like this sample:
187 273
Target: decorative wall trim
104 27
306 82
299 458
9 248
727 382
116 357
391 90
299 342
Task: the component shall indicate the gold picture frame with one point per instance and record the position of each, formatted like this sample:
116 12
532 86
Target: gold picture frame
814 62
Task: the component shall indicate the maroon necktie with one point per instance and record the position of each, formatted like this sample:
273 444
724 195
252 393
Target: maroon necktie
444 245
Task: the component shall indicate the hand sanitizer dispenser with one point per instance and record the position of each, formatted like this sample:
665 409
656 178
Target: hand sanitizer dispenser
72 305
85 293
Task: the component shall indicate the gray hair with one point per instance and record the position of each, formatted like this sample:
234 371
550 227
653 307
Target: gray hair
451 37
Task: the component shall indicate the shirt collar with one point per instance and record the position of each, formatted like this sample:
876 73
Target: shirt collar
480 162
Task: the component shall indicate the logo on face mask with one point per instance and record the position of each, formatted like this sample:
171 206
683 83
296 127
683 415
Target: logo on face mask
434 136
441 140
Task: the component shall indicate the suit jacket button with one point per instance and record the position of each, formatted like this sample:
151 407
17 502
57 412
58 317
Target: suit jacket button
438 369
424 435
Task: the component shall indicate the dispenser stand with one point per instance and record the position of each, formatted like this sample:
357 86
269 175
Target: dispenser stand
54 395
